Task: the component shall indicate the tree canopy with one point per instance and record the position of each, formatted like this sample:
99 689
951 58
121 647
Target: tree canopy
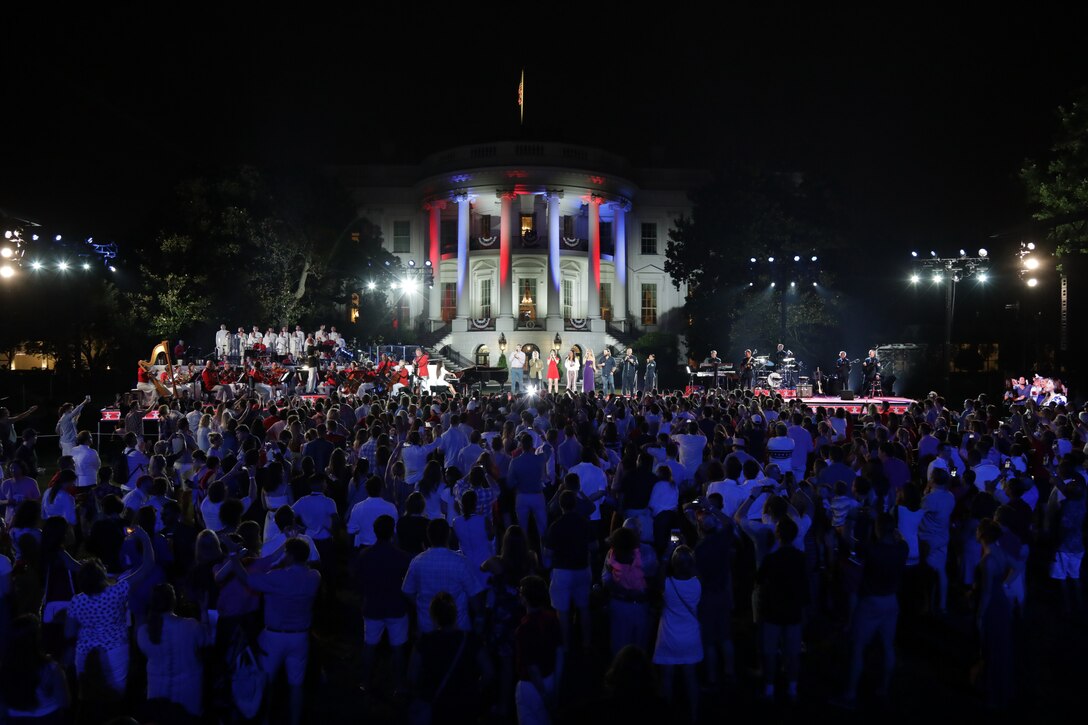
1058 186
745 214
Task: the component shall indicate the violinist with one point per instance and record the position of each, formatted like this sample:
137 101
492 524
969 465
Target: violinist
209 379
259 382
401 377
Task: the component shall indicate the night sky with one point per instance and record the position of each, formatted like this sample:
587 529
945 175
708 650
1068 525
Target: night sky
920 123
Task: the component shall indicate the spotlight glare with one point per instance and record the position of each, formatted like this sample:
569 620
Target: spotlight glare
370 286
57 237
34 237
914 254
112 268
410 285
411 262
427 263
1031 263
814 284
7 271
772 284
7 235
770 259
86 266
814 257
6 252
797 258
1032 282
1031 246
937 277
915 279
396 285
35 265
982 276
62 266
793 284
752 260
983 253
963 253
932 253
751 284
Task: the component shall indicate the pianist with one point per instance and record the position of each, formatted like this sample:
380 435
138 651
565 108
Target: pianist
711 364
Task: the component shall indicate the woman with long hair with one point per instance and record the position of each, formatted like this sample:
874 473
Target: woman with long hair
589 372
506 570
553 372
98 619
571 366
173 645
430 487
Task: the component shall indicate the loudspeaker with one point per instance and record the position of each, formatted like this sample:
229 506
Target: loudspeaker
804 391
847 395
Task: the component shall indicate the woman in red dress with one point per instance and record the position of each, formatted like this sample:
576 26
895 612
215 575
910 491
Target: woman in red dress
553 373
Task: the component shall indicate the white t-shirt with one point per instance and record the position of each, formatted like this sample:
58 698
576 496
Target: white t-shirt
664 497
276 540
316 512
691 450
364 514
732 493
592 480
780 452
63 505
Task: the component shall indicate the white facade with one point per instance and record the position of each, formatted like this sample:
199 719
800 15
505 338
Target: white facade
530 241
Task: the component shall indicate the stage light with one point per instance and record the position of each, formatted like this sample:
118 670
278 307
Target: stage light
982 277
370 286
915 279
814 284
797 258
1031 246
6 252
1032 282
58 237
752 260
112 268
35 265
914 254
532 390
1031 263
411 262
983 253
86 266
814 257
932 253
7 271
770 259
963 253
7 235
34 237
396 285
410 286
62 266
793 284
387 263
751 284
427 263
772 284
937 277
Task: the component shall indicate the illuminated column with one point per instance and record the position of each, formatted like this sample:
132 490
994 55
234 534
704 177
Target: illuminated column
462 254
594 302
506 241
555 275
434 254
619 257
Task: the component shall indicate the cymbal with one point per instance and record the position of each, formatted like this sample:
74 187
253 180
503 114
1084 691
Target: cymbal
763 357
788 359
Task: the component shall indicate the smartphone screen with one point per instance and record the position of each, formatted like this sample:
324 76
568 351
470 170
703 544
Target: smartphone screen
674 536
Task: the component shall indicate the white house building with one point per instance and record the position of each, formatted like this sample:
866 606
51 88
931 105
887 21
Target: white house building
538 243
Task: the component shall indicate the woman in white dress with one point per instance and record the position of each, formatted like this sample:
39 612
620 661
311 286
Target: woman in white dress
678 637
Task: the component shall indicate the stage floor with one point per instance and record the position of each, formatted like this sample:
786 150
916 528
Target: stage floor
857 405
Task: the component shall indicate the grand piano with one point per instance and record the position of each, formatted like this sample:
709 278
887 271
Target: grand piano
480 376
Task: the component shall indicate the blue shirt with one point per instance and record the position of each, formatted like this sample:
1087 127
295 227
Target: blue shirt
526 474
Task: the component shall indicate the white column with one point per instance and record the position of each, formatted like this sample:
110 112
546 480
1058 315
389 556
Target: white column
555 274
506 246
462 255
593 302
434 254
619 257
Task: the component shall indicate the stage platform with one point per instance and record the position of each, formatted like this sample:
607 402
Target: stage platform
857 405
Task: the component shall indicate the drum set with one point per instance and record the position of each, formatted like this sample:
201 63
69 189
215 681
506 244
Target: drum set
777 376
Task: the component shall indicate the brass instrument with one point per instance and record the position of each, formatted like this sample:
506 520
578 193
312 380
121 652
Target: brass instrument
161 389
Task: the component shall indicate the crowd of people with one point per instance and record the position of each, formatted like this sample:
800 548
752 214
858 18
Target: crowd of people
493 547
